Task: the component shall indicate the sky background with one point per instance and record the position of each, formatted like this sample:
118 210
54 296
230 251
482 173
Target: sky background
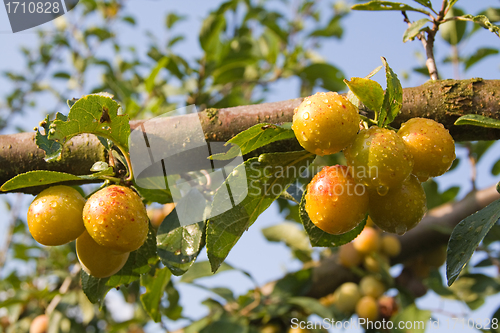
367 36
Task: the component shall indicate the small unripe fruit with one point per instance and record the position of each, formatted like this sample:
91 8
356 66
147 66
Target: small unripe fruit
55 216
334 202
368 241
401 209
371 286
349 256
97 260
379 159
346 297
431 145
391 246
325 123
367 308
375 264
116 218
39 324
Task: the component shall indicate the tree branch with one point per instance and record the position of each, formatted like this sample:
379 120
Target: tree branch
444 101
428 235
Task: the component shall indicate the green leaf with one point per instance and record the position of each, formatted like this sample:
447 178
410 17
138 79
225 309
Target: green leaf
174 310
368 91
318 237
387 5
290 234
37 178
62 75
155 288
139 262
496 316
332 29
211 28
330 76
478 120
44 177
202 269
266 177
311 306
95 289
435 282
426 3
393 97
482 21
414 29
412 314
150 81
453 31
479 55
173 18
495 170
293 284
179 246
255 137
153 194
466 237
225 325
96 114
52 148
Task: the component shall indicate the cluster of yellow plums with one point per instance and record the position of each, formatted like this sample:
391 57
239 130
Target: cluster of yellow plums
384 169
366 299
108 226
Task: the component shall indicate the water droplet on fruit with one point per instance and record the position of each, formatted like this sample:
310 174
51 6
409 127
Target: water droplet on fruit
445 159
382 190
339 103
306 115
308 102
177 252
400 229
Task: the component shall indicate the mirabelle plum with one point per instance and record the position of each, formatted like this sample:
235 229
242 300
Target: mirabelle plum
55 216
116 218
97 260
367 308
390 246
346 297
368 241
334 202
371 286
401 209
379 159
325 123
431 145
349 256
40 324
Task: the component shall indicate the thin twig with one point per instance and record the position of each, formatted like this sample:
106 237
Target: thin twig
63 289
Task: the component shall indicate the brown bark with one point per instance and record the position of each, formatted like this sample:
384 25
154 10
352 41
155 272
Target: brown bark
443 101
